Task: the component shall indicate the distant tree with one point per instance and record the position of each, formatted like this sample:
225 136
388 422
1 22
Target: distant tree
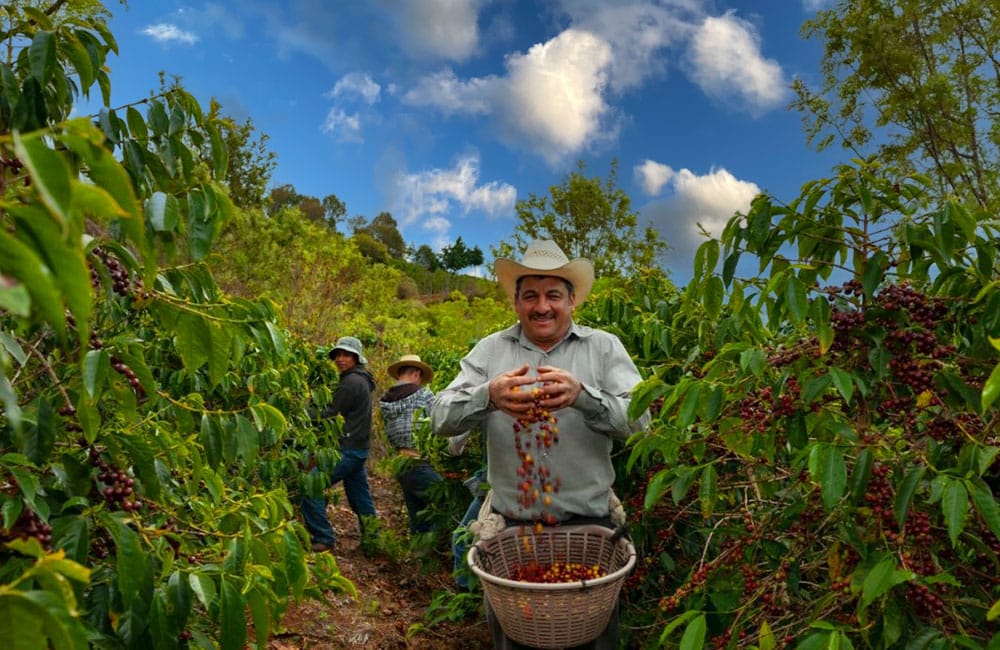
458 256
427 258
358 223
312 209
250 162
587 218
915 83
281 197
371 248
384 229
333 210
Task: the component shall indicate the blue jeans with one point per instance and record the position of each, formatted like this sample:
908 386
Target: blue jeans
460 543
352 471
415 480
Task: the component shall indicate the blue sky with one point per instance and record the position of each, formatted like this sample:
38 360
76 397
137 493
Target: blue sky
446 112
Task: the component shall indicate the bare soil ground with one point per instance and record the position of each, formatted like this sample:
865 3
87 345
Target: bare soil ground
393 594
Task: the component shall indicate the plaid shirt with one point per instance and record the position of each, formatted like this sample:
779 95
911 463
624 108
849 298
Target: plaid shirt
398 416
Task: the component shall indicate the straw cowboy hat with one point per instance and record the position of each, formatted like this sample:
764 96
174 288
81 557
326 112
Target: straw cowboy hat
412 360
544 257
348 344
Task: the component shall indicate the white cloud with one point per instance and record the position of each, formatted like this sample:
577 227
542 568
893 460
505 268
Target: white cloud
428 197
697 202
356 84
343 126
444 91
816 5
652 176
551 100
166 32
727 63
436 29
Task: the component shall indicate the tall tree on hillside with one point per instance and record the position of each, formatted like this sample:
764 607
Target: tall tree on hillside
384 229
312 209
587 218
281 197
427 258
333 210
916 83
459 256
250 162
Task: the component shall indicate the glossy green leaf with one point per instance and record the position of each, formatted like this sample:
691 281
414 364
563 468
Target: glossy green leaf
96 366
905 492
843 382
991 389
986 505
232 623
78 55
827 467
131 569
21 262
162 212
694 634
193 340
873 273
260 613
881 578
861 474
42 55
49 174
954 506
657 487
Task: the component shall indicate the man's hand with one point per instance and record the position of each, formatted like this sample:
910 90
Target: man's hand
559 387
515 392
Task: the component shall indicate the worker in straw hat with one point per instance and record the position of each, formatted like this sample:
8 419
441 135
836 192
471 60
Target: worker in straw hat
408 398
579 379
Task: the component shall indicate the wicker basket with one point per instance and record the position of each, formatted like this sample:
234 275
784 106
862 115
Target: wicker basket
556 615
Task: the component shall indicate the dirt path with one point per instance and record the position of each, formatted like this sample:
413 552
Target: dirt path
393 594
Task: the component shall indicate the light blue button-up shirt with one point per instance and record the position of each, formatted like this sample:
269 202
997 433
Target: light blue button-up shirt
581 459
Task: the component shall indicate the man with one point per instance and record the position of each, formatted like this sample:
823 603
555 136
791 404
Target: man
582 376
353 400
398 406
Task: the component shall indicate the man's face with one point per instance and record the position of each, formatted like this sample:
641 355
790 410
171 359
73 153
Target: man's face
344 360
545 308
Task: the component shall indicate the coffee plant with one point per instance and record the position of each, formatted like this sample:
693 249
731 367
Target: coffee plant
154 430
822 466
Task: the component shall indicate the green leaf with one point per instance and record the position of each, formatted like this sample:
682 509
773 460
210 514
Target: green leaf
905 492
712 299
42 56
954 506
131 562
656 488
986 505
991 389
204 589
49 174
694 634
881 578
844 383
162 212
708 490
260 611
874 271
233 628
96 366
796 300
827 467
861 474
689 407
194 341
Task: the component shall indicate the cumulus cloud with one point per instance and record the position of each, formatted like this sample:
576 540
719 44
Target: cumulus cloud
726 62
166 32
343 126
436 29
428 197
356 84
652 176
551 99
697 203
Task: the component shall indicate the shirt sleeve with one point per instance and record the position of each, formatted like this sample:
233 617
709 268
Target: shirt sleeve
460 406
605 406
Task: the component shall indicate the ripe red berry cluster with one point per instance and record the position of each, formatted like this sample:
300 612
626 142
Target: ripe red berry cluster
536 431
29 525
118 486
122 283
556 572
